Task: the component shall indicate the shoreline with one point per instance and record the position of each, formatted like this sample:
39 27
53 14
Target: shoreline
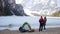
17 28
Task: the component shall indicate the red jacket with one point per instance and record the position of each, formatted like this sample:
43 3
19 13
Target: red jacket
45 20
41 20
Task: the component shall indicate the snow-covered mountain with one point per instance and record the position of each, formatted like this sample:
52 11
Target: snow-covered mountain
40 7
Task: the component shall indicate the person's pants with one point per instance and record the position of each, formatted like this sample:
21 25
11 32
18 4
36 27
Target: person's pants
44 26
41 27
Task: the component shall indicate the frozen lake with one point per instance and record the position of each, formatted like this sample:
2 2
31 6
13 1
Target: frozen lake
17 21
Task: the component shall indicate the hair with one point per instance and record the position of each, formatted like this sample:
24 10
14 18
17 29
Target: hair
45 17
41 16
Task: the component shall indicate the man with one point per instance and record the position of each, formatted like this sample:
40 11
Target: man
41 23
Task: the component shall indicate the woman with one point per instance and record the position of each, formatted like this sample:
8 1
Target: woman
44 23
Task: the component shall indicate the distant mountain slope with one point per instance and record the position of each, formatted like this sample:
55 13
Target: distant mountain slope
56 14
